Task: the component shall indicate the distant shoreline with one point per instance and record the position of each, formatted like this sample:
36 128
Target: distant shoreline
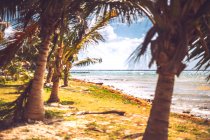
140 100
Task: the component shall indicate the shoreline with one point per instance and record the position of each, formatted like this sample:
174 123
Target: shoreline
90 110
142 101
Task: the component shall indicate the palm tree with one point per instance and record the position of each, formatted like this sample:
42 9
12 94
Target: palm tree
48 21
177 24
91 36
77 42
48 15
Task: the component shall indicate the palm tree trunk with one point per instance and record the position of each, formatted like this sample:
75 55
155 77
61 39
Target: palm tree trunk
35 104
50 74
157 126
54 93
48 20
66 74
56 77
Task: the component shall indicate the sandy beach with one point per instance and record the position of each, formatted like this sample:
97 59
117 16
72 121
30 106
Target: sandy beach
92 111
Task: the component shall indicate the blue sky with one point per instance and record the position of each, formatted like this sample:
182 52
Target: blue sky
121 41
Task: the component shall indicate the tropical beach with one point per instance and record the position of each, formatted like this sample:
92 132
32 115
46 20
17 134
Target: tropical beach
191 93
85 112
104 69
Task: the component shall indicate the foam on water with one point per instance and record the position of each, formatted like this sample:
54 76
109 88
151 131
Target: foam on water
188 92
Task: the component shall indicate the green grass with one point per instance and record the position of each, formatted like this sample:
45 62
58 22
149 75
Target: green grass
87 97
54 113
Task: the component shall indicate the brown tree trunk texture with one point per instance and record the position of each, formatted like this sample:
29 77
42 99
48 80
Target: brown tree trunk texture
35 104
50 74
57 75
54 93
66 74
158 122
48 21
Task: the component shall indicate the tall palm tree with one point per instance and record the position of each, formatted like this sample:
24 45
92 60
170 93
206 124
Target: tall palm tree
177 24
48 14
51 12
89 35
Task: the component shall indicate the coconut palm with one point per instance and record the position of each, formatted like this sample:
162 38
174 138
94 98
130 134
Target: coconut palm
91 36
48 15
176 26
83 37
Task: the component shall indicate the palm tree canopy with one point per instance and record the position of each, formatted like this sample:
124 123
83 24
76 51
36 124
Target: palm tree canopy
185 23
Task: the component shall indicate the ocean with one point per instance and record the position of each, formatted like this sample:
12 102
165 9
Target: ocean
191 91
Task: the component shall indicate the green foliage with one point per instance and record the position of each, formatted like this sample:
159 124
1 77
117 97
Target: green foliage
106 94
53 113
66 102
88 61
181 128
2 80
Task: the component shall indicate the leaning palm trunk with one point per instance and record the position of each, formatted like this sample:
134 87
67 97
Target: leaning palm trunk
35 107
66 74
54 93
157 126
50 74
56 77
48 21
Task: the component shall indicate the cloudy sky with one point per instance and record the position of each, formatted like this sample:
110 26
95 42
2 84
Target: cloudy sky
121 40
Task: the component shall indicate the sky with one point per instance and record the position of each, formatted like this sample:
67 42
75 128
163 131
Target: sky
121 40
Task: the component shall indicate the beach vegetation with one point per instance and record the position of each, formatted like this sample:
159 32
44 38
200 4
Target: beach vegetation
179 33
77 121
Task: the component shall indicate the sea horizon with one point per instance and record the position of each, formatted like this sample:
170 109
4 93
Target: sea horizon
191 90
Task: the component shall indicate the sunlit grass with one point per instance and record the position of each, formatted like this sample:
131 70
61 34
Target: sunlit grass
89 97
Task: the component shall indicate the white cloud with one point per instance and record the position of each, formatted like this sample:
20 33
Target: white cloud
9 32
108 33
114 52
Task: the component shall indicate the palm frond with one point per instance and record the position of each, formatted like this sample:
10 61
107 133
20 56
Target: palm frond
87 62
91 36
11 47
142 48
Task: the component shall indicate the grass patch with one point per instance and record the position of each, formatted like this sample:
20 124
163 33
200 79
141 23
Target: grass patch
70 118
54 114
67 102
181 128
106 94
86 97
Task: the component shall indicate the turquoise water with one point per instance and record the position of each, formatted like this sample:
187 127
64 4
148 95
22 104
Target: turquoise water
191 91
